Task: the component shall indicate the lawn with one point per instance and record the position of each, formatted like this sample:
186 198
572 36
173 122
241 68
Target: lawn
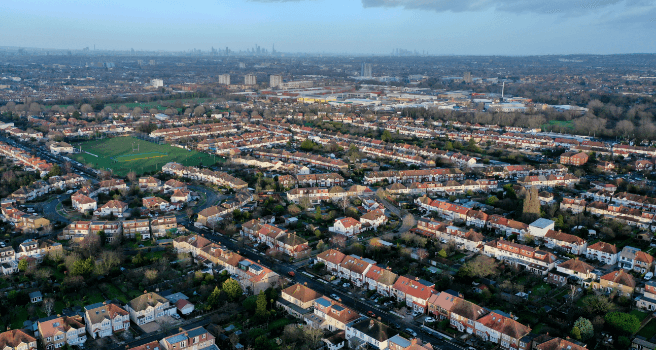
125 154
562 123
641 315
648 330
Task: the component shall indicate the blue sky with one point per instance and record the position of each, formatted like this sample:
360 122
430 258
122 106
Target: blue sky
440 27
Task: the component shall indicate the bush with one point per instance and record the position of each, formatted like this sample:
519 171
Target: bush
623 322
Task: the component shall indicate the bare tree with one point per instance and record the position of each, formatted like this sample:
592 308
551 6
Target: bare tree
132 176
48 306
86 108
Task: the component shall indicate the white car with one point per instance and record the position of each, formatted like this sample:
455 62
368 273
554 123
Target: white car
649 276
429 320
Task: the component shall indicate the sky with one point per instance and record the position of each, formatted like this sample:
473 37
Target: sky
436 27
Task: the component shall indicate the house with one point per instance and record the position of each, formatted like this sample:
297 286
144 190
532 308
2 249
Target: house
103 319
149 184
132 228
540 227
334 341
113 207
172 185
56 331
631 258
335 316
346 226
156 203
36 297
575 205
373 219
535 261
619 280
397 342
573 158
153 345
503 330
149 307
414 291
439 305
569 243
463 314
556 344
380 279
602 251
369 331
194 339
106 186
17 339
83 203
209 216
332 259
647 300
38 249
571 269
298 299
163 225
184 306
61 147
181 195
354 268
8 264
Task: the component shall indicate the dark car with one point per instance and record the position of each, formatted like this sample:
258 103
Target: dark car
371 313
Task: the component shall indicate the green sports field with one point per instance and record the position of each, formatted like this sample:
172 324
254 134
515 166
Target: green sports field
125 154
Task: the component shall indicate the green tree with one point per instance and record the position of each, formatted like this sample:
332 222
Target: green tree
308 145
261 309
22 265
442 254
491 200
576 333
586 330
623 322
214 299
83 267
387 136
55 171
232 288
250 303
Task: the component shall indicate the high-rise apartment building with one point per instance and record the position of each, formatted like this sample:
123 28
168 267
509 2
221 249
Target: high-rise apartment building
275 80
224 79
366 70
250 79
157 83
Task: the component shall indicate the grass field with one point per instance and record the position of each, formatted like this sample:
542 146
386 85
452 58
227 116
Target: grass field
561 123
125 154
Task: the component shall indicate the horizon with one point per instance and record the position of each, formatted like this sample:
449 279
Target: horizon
322 27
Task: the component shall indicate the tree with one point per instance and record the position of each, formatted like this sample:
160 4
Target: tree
232 288
83 267
261 307
215 298
597 304
151 275
481 266
22 265
308 145
532 204
132 177
585 328
86 108
623 322
55 171
576 333
48 306
387 136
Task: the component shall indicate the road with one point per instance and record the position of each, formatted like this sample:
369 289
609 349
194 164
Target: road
49 209
349 299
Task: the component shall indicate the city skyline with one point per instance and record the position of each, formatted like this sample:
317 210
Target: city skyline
375 27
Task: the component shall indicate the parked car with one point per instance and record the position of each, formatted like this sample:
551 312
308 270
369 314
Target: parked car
371 313
429 320
411 332
334 296
649 276
416 313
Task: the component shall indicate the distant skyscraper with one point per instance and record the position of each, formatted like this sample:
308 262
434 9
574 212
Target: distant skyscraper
250 79
366 70
242 65
224 79
467 77
157 83
275 80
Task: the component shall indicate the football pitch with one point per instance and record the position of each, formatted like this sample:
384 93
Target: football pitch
125 154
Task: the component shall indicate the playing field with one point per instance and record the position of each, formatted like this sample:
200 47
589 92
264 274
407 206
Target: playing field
125 154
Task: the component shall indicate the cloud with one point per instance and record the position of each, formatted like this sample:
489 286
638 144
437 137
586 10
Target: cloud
563 7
